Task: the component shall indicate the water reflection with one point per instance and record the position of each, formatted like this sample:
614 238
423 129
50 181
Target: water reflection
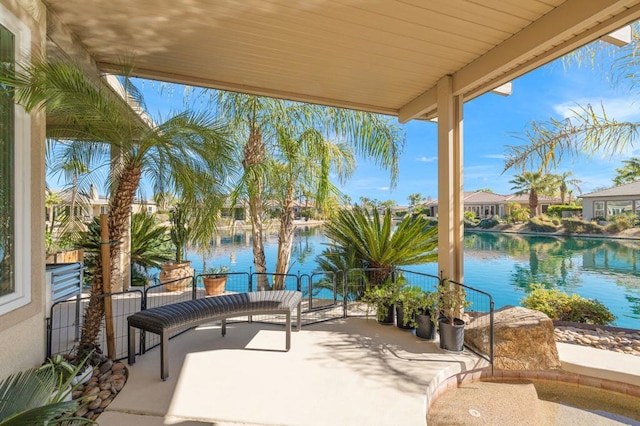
504 265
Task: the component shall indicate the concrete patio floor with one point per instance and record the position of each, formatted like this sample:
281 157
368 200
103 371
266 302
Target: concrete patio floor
342 372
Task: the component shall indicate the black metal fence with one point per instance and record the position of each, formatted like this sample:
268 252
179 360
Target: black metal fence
326 296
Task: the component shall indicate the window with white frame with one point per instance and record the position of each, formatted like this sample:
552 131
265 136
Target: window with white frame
598 209
15 195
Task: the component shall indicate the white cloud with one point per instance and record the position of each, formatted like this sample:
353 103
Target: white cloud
496 156
424 159
383 188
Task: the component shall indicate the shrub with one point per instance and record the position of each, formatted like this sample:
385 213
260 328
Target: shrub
573 225
621 222
563 307
543 224
489 222
556 211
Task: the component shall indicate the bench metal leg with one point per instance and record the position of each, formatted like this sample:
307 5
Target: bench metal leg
298 321
132 345
224 327
288 330
164 356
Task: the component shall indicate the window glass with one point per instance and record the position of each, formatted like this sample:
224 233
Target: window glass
7 160
619 207
598 209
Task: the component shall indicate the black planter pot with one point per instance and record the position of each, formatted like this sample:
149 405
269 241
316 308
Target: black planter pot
451 335
400 318
388 319
425 329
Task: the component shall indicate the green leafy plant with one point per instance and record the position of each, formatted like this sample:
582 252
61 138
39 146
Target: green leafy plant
561 306
218 271
452 300
35 397
557 210
489 222
622 222
574 225
415 301
543 224
382 298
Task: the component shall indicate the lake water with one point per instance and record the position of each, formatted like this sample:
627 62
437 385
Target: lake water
501 264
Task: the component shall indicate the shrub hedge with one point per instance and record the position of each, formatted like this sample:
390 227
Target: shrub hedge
564 307
556 210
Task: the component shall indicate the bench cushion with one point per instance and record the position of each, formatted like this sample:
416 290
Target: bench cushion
175 315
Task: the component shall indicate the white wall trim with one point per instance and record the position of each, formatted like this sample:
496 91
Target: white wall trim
22 185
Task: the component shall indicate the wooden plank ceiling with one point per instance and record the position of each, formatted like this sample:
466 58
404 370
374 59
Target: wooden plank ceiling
377 55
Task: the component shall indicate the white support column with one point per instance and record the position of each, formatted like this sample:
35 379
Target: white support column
450 182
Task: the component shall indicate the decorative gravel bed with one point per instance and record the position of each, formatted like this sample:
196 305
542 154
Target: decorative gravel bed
618 340
101 388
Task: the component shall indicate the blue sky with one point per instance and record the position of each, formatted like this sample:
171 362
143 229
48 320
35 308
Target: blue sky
490 123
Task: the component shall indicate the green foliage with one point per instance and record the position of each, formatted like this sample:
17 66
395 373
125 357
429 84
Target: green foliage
574 225
415 301
34 397
180 231
471 216
452 300
217 270
382 297
489 222
564 307
628 173
621 222
543 224
375 243
556 210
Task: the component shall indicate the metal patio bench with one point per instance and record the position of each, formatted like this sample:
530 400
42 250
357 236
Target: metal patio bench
176 317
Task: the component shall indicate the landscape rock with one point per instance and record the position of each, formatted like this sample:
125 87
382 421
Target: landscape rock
523 339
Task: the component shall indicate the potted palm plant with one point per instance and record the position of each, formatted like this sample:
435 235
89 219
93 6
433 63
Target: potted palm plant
215 280
419 310
178 274
451 302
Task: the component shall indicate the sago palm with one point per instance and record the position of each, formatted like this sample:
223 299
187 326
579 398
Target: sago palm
378 245
189 154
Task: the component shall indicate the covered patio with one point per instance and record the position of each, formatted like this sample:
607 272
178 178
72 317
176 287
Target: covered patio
346 372
405 58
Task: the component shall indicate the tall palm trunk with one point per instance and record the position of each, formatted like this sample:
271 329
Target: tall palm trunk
119 209
533 203
285 239
254 155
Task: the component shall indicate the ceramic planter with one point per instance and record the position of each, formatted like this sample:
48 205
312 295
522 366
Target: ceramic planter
172 272
214 285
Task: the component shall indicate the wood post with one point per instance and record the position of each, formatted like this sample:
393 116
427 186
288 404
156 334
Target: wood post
105 247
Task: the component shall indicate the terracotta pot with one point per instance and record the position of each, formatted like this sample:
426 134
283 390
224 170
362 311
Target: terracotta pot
214 285
172 272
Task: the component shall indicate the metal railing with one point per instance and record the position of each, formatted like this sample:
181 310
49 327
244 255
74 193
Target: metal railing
326 296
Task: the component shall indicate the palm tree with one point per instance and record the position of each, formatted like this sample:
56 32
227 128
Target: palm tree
260 123
375 243
189 154
564 181
628 173
590 129
305 160
534 184
414 200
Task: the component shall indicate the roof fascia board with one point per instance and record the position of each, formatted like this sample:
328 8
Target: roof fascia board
544 37
241 88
